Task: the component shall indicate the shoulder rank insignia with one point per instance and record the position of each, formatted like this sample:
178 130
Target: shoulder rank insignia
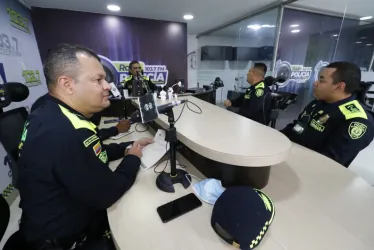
356 130
259 92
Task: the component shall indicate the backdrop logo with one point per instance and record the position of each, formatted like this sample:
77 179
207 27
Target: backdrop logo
119 70
292 73
2 74
18 21
317 69
9 45
32 77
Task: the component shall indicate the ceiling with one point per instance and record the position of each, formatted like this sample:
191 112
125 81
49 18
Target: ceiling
208 13
358 8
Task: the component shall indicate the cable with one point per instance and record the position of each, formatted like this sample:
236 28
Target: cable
167 161
141 131
186 104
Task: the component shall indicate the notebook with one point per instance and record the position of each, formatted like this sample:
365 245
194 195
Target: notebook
155 151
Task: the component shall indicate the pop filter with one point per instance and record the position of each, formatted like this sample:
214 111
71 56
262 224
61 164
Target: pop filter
13 92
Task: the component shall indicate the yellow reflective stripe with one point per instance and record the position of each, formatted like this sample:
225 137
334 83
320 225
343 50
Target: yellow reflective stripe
146 78
353 109
128 78
260 85
77 123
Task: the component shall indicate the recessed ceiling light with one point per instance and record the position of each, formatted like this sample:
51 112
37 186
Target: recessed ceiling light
369 44
366 18
295 31
335 35
358 42
188 17
294 25
267 26
254 27
113 7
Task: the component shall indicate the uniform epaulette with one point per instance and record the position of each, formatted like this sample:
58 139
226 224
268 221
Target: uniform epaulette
353 109
128 78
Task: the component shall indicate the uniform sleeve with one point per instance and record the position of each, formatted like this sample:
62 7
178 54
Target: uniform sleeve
348 140
116 151
84 172
106 133
238 101
152 86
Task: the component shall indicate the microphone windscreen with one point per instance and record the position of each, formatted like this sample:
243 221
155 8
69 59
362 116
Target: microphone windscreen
17 92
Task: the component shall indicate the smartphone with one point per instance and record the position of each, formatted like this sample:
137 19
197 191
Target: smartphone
180 206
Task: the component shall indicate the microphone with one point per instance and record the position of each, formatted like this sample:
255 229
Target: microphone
137 117
13 92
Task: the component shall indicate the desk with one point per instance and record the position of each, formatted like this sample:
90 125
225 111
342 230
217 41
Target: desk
320 205
227 146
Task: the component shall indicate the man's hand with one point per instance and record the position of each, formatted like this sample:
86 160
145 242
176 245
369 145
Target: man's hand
144 142
123 126
227 103
136 150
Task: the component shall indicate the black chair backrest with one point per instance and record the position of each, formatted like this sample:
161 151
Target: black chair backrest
11 127
4 216
364 88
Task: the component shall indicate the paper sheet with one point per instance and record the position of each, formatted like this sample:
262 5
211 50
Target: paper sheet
155 151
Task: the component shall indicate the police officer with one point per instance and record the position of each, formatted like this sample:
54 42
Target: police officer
65 183
255 103
336 124
135 73
104 133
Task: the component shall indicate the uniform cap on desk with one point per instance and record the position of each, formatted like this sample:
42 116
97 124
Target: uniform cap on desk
242 215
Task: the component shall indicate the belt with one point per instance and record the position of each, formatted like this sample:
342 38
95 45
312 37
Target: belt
65 243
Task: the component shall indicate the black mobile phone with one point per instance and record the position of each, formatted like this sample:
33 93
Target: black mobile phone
180 206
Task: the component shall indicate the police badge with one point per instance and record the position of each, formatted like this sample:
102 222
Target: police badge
356 130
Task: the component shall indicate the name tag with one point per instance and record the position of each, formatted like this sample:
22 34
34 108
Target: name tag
298 128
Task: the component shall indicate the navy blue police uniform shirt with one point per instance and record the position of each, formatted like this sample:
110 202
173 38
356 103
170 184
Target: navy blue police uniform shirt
105 133
338 130
255 103
64 175
148 85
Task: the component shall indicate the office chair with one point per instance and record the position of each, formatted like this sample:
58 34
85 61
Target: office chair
362 92
11 127
4 216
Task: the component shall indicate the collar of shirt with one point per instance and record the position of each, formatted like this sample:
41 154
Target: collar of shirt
58 101
254 85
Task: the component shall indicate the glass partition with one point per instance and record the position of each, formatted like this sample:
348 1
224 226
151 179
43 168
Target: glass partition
228 53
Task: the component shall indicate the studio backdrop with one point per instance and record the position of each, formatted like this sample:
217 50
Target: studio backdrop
160 46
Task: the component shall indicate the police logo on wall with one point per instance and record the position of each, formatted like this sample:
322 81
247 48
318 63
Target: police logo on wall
318 68
356 130
297 73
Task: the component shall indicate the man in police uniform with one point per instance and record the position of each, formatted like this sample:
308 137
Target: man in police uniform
104 133
65 182
335 124
135 74
255 103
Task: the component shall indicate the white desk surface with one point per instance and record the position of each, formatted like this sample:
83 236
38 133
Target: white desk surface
319 204
226 137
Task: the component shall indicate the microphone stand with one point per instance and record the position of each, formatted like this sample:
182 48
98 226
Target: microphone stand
165 181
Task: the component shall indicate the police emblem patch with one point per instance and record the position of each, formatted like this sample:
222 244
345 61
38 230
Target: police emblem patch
356 130
97 148
259 92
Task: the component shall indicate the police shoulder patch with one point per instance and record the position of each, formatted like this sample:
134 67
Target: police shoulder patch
259 92
97 148
356 130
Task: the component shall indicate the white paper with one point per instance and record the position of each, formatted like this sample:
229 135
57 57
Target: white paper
121 135
155 151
